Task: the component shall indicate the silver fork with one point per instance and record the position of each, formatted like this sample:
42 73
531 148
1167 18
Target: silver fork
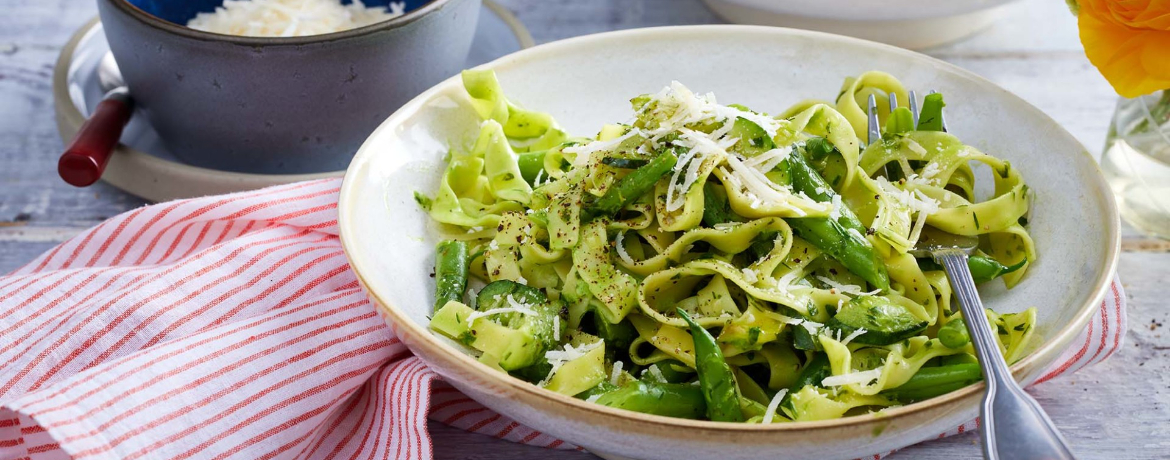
1014 426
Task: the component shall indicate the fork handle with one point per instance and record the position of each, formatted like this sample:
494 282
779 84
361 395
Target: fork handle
1014 426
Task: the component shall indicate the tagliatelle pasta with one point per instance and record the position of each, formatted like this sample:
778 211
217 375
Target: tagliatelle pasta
713 262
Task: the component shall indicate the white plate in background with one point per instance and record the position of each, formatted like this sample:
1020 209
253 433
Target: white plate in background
914 24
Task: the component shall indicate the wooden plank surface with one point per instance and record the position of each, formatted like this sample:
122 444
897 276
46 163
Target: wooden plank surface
1120 409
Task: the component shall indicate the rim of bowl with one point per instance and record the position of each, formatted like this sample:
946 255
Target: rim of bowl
177 29
1055 343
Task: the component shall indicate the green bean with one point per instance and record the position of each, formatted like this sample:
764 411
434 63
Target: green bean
451 268
680 400
624 163
983 269
715 378
634 185
928 377
531 164
920 394
813 373
931 118
989 268
601 388
954 333
751 408
929 382
716 208
899 121
833 236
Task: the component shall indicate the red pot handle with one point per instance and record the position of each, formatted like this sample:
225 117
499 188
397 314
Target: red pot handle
84 161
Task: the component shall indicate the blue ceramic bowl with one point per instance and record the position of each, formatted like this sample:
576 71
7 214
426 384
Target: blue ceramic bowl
279 105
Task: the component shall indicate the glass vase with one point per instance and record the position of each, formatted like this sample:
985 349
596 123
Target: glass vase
1136 161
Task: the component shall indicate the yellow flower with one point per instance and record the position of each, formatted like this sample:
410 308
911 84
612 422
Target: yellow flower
1129 42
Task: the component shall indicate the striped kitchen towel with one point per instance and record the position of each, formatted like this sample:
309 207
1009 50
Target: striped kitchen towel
232 327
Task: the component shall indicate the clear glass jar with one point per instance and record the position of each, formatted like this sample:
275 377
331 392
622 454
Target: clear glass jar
1137 161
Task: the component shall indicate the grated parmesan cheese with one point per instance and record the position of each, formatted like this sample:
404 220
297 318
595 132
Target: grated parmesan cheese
853 335
915 147
702 147
812 327
788 278
584 152
674 196
863 377
569 352
558 358
656 373
917 202
758 185
620 244
768 161
750 275
835 213
616 372
557 328
770 413
291 18
684 107
518 308
926 207
930 170
926 204
846 288
856 234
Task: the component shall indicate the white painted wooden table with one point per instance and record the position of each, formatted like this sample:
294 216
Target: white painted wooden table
1118 410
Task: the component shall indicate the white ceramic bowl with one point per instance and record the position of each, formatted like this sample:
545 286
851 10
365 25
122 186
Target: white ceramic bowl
914 24
587 81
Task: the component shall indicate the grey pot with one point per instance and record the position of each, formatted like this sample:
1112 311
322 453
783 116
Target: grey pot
279 105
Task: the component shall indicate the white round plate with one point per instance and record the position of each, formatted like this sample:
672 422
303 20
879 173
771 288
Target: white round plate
141 165
586 82
914 24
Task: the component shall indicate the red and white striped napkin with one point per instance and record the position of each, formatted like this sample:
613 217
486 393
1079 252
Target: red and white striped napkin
232 327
